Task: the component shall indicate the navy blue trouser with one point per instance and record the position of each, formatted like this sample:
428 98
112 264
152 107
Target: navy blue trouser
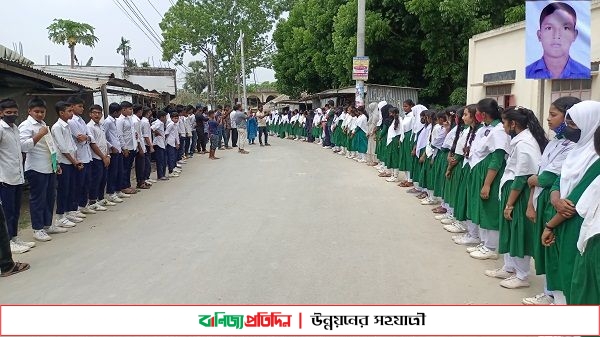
42 195
115 170
81 186
6 261
140 168
127 166
147 163
64 189
10 195
99 175
161 161
171 157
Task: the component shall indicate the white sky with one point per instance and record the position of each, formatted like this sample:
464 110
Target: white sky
26 21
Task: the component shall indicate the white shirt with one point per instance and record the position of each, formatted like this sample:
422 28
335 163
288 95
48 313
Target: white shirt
191 119
113 137
11 159
125 127
78 127
172 136
159 136
38 156
137 127
98 137
523 158
487 140
181 126
64 141
146 131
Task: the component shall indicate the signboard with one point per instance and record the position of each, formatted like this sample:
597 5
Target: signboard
360 68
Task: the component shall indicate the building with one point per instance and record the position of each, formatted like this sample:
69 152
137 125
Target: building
497 70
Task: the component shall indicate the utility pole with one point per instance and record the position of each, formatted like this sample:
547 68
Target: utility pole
245 98
360 50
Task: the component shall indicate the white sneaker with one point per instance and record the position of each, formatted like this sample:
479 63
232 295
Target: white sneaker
392 179
151 181
16 248
474 248
455 227
148 182
54 229
514 282
86 210
498 273
539 299
41 235
178 165
448 220
428 201
97 207
20 242
362 161
112 200
79 214
123 195
177 169
467 240
484 253
73 218
441 216
174 175
65 223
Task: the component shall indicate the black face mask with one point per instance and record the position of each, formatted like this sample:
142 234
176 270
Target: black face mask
572 134
10 119
512 133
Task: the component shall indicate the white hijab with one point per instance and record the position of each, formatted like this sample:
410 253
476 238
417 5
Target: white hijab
373 116
586 115
393 132
416 121
380 117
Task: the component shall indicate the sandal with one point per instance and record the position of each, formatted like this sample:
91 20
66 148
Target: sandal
413 191
17 268
439 210
385 175
422 196
407 184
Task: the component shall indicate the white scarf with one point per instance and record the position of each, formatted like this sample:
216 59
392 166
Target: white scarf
373 116
416 121
589 208
487 140
449 140
380 117
423 139
525 154
586 115
361 122
393 132
552 160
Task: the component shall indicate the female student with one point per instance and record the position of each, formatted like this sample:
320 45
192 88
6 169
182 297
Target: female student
441 162
436 175
419 153
539 209
405 163
395 132
582 166
487 163
516 230
359 135
586 283
412 127
371 134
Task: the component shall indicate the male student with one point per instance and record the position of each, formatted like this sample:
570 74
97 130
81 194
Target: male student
558 31
129 146
100 161
115 169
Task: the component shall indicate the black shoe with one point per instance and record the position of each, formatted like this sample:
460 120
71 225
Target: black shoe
267 144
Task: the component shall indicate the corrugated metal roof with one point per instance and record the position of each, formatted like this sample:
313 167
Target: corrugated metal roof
11 65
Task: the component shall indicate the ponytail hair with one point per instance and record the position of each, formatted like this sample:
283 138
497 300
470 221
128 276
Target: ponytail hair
459 125
395 113
490 107
597 141
526 119
472 110
432 114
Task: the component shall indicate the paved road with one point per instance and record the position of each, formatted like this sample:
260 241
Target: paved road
291 223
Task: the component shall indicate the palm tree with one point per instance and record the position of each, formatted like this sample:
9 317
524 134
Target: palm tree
71 33
124 49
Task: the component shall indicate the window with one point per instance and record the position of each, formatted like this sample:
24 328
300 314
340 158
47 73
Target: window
581 89
501 93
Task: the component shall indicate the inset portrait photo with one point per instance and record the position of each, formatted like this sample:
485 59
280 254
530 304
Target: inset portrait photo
558 40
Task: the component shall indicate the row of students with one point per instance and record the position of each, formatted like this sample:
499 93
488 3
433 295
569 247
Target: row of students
80 167
500 185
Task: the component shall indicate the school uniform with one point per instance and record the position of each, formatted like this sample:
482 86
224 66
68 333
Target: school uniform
159 143
146 134
551 163
191 120
172 141
380 135
455 193
372 128
487 152
12 176
417 127
129 142
581 168
394 133
140 158
115 142
82 178
441 165
420 148
440 162
405 162
360 140
98 171
40 168
64 190
516 235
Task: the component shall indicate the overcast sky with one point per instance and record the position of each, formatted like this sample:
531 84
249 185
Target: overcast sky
26 21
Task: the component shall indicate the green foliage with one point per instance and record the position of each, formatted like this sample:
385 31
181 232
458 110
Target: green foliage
458 96
514 14
270 86
212 28
71 33
197 79
145 64
130 63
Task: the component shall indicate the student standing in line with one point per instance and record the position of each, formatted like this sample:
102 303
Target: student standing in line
172 142
146 140
8 267
140 158
129 146
159 144
405 163
12 176
213 127
539 208
66 215
100 161
516 231
581 168
115 169
487 162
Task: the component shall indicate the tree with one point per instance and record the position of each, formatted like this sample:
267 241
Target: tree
131 63
212 28
196 80
262 86
71 33
124 49
145 64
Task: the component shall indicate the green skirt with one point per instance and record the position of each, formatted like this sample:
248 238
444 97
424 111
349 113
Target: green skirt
567 235
440 164
485 213
460 177
393 153
585 288
516 235
545 212
450 188
405 149
282 128
360 141
417 171
381 143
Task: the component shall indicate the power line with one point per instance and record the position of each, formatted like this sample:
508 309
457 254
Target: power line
156 10
135 23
